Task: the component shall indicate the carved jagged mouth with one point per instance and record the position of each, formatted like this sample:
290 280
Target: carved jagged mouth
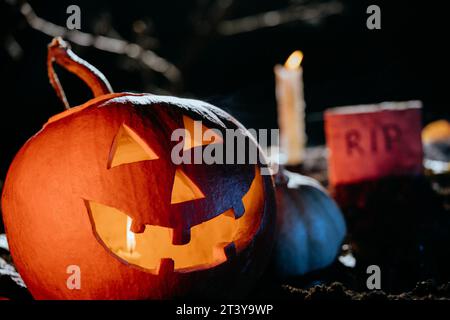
157 250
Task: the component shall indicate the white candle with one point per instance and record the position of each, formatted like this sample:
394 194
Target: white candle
291 109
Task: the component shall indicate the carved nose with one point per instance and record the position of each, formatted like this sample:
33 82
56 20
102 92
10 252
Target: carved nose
184 189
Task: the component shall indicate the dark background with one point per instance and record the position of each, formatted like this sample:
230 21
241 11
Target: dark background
345 63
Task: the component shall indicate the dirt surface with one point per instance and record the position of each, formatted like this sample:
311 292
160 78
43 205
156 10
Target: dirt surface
426 290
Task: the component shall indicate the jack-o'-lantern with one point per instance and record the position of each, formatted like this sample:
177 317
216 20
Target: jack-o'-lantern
97 188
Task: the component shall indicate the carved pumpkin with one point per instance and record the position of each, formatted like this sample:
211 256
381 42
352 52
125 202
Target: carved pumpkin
311 226
96 188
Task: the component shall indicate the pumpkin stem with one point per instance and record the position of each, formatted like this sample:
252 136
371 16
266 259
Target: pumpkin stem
59 51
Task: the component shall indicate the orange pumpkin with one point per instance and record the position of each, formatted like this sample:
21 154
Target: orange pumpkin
96 189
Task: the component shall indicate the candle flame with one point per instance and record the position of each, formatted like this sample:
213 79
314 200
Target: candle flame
131 237
294 60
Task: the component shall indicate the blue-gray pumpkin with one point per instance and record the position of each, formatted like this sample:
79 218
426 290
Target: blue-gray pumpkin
311 227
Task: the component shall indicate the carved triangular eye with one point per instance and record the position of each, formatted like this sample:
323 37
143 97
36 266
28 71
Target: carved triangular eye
184 189
128 147
196 131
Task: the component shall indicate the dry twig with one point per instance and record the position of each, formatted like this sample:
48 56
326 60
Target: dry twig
119 46
306 13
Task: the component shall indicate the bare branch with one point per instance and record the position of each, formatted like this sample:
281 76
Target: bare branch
118 46
306 13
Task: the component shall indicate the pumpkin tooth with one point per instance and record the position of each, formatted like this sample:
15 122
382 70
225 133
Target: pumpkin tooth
224 251
137 227
166 266
238 209
230 250
181 236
